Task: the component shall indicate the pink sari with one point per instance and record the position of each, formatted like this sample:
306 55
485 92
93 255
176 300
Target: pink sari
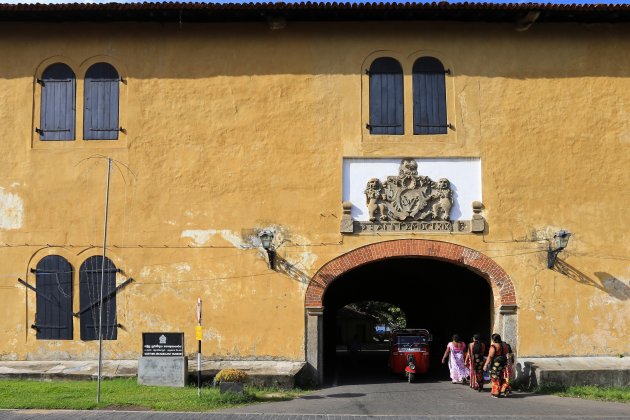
459 371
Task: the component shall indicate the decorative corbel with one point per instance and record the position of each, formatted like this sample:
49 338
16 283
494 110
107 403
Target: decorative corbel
478 223
347 225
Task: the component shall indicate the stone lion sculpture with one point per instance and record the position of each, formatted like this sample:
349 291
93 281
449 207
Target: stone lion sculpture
443 200
374 196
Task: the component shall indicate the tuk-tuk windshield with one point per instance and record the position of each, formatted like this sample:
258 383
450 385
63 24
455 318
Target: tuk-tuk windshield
411 341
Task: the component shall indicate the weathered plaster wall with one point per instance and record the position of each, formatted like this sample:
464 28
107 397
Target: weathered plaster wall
233 127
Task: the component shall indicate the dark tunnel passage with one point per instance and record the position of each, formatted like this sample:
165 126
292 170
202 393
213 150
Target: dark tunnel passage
439 296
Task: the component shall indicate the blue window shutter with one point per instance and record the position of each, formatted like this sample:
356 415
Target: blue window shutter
386 97
101 96
53 281
89 296
57 115
429 97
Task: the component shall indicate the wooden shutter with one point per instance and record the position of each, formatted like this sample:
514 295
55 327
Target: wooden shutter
101 93
429 97
53 281
89 297
57 115
386 97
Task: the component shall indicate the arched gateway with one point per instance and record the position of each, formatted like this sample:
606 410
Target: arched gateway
500 282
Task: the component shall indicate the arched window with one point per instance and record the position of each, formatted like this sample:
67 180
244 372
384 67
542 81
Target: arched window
386 97
429 97
57 114
53 282
90 289
100 117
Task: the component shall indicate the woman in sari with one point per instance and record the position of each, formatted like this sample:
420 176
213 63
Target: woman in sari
499 356
474 361
455 355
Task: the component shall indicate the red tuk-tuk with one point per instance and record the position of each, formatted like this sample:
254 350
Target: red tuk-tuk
409 352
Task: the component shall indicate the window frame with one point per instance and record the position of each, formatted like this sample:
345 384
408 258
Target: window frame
50 304
435 100
80 70
89 272
47 97
394 96
101 133
375 142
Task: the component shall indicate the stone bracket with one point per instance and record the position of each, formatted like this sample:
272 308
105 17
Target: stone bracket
315 310
507 309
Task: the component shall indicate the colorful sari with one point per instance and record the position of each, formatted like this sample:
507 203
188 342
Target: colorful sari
475 364
456 365
498 368
508 374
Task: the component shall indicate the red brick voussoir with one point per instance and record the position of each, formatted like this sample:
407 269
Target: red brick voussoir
475 261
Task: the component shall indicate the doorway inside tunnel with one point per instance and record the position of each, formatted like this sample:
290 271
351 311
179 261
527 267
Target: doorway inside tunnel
439 296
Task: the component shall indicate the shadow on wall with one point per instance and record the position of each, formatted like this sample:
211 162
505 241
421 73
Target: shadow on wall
614 286
605 281
526 376
186 51
285 267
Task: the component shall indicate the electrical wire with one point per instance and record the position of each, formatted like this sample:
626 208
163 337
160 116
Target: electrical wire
162 246
266 273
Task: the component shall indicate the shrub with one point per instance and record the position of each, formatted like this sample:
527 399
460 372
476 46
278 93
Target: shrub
230 375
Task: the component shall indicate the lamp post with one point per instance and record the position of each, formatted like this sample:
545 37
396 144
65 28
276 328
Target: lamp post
266 239
560 241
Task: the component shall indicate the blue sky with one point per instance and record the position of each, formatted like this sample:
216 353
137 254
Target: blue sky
350 1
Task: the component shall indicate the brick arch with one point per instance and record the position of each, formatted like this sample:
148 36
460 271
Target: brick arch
500 282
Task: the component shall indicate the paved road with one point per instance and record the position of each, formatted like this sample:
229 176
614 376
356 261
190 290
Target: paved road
365 387
132 415
364 393
384 401
435 398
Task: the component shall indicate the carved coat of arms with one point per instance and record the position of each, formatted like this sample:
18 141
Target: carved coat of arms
409 196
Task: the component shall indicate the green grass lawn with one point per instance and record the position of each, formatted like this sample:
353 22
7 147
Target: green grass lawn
127 394
618 394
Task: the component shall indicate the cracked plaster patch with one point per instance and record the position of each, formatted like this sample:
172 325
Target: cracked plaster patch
307 259
304 259
202 237
11 210
210 334
182 267
165 273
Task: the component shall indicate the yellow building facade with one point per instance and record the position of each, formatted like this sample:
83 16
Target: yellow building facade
228 129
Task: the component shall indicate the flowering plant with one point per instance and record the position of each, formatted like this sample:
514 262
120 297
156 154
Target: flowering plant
231 375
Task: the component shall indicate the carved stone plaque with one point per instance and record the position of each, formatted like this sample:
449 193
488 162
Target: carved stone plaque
460 226
409 202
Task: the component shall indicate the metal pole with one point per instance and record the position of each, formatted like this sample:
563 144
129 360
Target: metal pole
198 334
199 368
100 306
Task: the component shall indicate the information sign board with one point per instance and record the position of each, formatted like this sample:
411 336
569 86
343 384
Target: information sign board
163 344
